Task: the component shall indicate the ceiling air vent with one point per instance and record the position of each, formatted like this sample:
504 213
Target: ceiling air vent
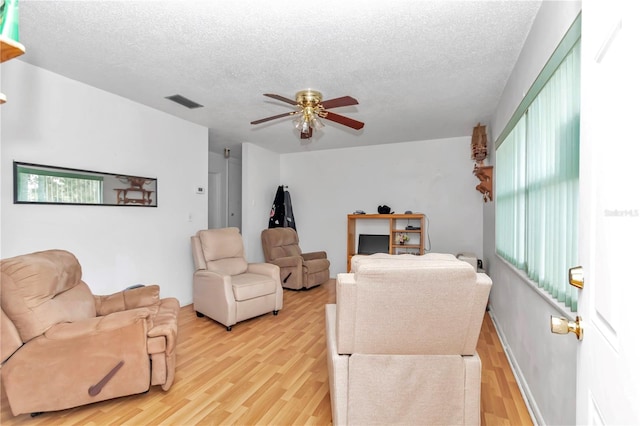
184 101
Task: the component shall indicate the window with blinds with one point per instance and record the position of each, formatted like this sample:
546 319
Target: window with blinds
537 188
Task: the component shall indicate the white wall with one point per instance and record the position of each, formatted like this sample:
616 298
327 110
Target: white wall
433 177
260 179
544 363
52 120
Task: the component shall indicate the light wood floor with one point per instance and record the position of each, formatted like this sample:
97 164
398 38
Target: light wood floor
270 370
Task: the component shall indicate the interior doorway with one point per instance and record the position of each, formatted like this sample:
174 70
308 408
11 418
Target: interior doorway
215 200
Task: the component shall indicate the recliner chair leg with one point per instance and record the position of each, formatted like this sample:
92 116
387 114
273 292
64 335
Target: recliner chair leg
275 312
199 315
228 328
36 414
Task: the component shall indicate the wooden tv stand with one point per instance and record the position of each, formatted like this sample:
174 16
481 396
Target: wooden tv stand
394 226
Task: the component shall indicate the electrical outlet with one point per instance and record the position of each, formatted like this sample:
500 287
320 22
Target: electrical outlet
199 190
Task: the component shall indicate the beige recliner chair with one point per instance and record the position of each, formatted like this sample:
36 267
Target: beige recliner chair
227 288
401 341
297 270
63 347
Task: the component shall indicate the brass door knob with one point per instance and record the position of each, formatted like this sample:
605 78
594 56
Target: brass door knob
576 277
560 325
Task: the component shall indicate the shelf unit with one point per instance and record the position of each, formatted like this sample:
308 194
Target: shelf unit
394 227
9 49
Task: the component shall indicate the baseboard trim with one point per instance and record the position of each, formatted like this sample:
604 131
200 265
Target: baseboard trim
532 407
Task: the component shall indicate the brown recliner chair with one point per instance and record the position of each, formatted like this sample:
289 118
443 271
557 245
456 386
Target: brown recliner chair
297 270
63 347
227 288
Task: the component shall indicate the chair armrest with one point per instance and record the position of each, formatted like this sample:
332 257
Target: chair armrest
211 278
288 262
113 321
86 361
212 286
314 255
268 269
165 322
127 299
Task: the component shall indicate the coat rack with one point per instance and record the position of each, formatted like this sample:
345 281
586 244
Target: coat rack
478 154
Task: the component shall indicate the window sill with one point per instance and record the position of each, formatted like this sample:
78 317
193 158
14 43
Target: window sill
544 295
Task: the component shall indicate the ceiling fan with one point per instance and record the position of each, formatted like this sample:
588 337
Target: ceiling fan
311 109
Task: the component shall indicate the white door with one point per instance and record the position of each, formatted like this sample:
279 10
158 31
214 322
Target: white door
608 387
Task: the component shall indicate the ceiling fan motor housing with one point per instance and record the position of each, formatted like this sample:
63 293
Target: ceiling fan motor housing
308 98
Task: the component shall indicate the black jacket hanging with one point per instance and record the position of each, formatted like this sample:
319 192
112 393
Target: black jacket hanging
276 217
281 215
289 221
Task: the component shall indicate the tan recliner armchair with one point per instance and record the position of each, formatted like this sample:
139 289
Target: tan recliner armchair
63 347
297 270
227 288
401 341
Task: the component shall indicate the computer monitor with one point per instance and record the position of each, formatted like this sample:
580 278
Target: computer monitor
373 243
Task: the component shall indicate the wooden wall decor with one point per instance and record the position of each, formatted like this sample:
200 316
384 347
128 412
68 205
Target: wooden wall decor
478 154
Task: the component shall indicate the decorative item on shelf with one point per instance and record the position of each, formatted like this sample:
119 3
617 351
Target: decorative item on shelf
402 238
9 24
10 46
479 144
478 154
136 185
485 174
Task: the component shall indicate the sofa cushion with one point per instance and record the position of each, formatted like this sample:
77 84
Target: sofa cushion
42 289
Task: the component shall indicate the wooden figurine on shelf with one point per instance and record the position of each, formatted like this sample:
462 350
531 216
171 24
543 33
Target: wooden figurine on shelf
478 154
479 144
485 174
136 186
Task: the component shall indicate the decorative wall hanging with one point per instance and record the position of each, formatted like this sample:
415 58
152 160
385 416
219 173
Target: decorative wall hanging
478 154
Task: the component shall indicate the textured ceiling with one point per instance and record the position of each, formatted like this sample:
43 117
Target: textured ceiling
419 69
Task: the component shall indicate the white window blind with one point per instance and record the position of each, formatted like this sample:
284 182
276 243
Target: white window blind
47 186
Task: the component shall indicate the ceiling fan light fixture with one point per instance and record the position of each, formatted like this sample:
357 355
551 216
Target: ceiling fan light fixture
303 124
316 123
311 109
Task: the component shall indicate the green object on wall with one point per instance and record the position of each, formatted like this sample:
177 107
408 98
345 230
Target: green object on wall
9 21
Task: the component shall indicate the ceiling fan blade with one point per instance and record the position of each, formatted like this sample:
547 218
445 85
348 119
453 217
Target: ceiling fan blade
339 102
281 98
307 135
346 121
274 117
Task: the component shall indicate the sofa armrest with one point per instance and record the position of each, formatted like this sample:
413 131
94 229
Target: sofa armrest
127 299
314 255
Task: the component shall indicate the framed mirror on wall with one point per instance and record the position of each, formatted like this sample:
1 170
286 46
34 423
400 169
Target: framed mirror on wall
42 184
